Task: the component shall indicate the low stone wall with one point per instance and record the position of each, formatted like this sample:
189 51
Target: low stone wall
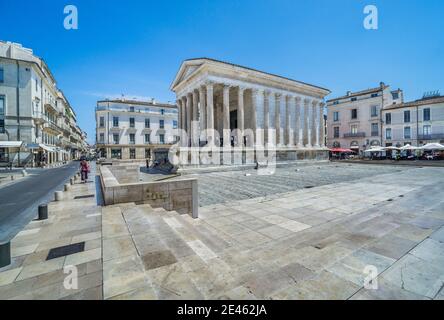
178 195
129 173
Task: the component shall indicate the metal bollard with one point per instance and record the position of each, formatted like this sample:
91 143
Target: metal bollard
43 212
5 254
58 195
71 181
67 187
12 178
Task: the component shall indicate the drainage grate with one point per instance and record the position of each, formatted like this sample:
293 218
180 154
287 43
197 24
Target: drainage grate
66 250
308 187
390 200
84 197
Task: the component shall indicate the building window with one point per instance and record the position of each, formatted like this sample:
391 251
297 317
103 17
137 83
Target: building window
132 122
426 114
147 138
335 132
131 109
162 138
353 99
374 111
147 153
162 124
102 138
116 138
147 123
2 114
132 153
174 124
36 85
388 133
354 113
388 118
336 102
132 138
336 116
427 130
102 122
115 122
395 95
374 95
354 129
407 116
375 129
407 133
116 153
2 75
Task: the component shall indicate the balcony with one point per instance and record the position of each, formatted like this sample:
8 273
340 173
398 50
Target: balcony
433 136
354 135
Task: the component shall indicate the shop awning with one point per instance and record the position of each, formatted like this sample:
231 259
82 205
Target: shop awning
377 149
432 146
41 146
340 150
11 144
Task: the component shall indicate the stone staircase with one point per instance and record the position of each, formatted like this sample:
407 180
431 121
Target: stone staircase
164 245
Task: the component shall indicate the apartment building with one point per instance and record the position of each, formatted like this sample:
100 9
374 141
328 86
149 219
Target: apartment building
354 120
34 113
130 129
416 123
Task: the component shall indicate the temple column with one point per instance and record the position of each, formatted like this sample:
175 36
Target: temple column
307 122
316 123
195 121
288 135
267 136
184 122
299 123
258 108
189 113
203 111
321 125
226 116
277 118
210 113
240 116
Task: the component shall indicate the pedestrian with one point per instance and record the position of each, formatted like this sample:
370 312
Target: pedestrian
84 170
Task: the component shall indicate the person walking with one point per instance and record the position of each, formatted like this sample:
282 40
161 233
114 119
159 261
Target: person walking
84 169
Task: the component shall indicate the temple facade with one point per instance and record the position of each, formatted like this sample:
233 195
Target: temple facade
232 108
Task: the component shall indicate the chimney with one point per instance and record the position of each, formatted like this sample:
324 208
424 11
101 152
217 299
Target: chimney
382 84
153 101
349 93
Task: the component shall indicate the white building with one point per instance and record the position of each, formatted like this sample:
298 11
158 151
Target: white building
239 109
416 123
129 129
33 111
354 120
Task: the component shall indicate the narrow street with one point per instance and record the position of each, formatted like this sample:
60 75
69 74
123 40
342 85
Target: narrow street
19 201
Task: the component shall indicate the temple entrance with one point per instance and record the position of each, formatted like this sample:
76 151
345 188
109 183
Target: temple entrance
233 120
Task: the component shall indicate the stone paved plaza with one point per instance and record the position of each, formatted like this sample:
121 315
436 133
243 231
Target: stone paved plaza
294 243
220 187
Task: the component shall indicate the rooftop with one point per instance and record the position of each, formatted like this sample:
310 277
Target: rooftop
152 103
256 70
350 94
419 102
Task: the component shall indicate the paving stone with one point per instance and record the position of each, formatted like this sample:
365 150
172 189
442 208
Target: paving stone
415 275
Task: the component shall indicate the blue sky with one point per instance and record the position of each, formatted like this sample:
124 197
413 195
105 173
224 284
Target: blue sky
136 47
